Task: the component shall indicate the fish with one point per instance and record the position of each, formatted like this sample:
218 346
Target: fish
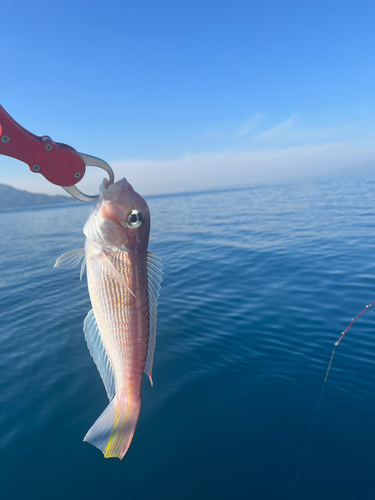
124 281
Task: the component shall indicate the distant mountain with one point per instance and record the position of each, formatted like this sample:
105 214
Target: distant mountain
12 198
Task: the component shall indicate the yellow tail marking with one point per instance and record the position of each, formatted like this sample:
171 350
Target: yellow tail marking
113 441
115 422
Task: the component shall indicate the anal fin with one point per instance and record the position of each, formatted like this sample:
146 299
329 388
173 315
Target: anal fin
99 354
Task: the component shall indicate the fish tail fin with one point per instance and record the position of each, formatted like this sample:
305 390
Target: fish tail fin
113 432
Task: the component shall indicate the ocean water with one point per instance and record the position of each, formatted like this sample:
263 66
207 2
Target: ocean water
258 285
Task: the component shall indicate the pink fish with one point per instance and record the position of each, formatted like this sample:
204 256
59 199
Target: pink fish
120 330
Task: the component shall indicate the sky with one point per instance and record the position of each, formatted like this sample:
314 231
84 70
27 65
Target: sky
190 95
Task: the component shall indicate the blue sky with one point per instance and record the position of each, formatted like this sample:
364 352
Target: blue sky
189 95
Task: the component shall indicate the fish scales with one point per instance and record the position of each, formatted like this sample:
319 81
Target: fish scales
123 319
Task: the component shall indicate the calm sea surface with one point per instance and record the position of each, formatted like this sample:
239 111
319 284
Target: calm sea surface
258 285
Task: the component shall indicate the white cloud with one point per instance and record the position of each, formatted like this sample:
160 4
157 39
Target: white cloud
279 130
226 168
293 132
248 127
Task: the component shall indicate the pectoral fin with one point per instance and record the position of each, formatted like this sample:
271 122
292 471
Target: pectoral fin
72 259
111 271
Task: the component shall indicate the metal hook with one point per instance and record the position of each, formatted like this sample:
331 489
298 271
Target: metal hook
90 161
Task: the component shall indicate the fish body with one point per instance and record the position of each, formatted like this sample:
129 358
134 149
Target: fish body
123 282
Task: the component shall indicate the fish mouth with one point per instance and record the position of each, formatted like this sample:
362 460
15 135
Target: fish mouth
110 191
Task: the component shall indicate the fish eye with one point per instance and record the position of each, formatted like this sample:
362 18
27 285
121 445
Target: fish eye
135 218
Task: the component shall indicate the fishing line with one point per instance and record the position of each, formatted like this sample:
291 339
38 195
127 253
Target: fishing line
320 396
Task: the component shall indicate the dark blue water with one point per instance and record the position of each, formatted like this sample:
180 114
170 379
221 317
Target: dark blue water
258 285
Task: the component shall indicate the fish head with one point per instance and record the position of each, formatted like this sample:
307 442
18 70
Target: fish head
120 219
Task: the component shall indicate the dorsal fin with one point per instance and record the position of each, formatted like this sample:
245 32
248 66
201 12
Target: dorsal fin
155 273
99 354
